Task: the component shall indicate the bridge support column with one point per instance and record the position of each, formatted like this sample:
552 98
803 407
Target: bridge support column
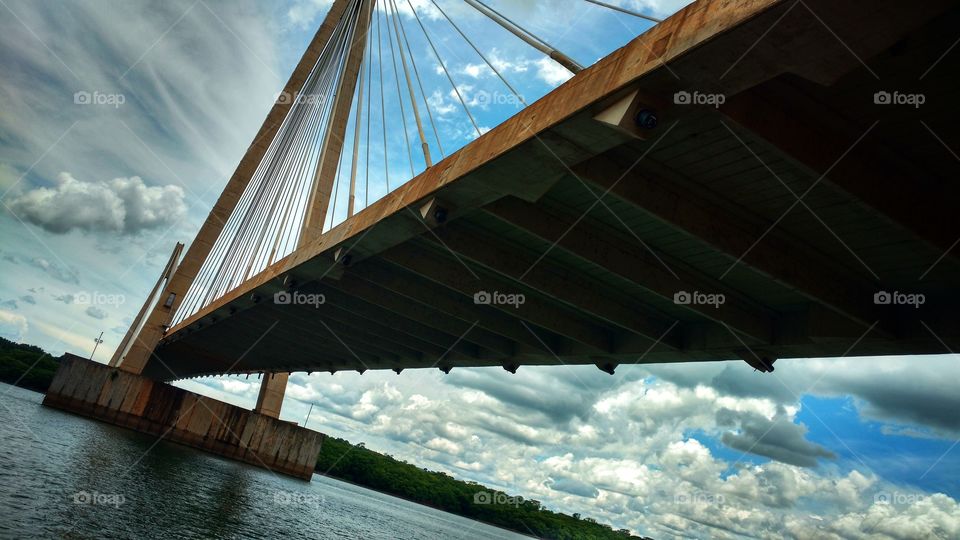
119 397
272 389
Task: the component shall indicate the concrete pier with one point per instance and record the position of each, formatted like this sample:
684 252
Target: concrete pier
121 398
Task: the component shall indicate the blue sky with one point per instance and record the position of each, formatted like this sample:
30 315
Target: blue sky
830 448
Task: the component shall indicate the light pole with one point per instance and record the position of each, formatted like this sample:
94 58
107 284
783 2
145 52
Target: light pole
310 410
96 343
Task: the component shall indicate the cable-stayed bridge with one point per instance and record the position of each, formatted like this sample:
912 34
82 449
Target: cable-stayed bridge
744 180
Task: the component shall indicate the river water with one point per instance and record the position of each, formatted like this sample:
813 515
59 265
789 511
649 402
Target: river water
64 476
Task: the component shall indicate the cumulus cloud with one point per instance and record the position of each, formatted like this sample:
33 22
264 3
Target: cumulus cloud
28 298
499 61
894 390
912 392
936 516
776 438
123 205
530 391
621 449
374 400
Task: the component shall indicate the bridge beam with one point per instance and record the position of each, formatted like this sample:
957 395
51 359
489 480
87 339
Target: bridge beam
392 327
384 302
291 341
455 275
420 290
640 264
794 123
759 246
388 339
347 337
553 282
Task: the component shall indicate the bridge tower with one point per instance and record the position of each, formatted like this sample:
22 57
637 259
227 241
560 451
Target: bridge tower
346 19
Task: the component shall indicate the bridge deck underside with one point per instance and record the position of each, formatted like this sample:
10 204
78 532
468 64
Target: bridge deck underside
798 200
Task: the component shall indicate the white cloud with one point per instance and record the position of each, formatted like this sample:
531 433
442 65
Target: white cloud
551 72
123 205
476 70
13 326
777 438
439 105
619 449
505 65
303 13
934 516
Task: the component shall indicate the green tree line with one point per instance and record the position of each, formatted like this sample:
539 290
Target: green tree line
26 365
359 465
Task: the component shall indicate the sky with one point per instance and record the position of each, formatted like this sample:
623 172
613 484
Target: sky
97 189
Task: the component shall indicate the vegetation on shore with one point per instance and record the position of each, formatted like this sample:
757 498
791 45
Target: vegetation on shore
32 368
26 365
358 465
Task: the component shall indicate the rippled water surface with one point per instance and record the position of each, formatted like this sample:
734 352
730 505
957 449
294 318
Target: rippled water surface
63 476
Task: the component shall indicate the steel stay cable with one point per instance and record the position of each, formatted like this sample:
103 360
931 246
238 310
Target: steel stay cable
240 249
403 112
482 56
383 108
443 66
416 72
250 196
413 98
